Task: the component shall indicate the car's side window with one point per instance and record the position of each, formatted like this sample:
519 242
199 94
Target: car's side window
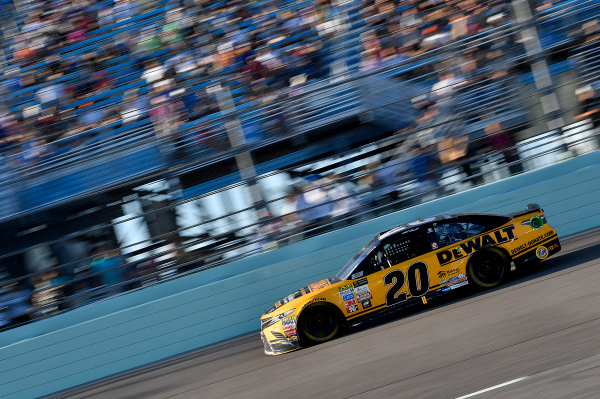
376 261
452 231
404 246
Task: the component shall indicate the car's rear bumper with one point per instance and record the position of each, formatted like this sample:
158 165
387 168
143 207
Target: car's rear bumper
279 346
539 252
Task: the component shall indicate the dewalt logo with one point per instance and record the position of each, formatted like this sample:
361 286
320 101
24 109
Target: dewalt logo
485 240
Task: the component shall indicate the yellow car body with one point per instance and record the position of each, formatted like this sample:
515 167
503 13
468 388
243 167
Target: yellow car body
410 263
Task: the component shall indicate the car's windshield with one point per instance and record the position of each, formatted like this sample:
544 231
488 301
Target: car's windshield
362 254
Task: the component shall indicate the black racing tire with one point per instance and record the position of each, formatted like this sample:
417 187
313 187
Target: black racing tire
488 268
319 323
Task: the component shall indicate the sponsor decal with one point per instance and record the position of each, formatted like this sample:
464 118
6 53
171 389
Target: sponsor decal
541 252
362 281
430 230
357 275
293 337
345 287
552 247
348 297
319 285
536 222
531 242
424 300
443 282
410 231
289 325
434 245
363 295
462 275
453 271
452 279
366 304
346 292
455 286
492 238
351 306
442 273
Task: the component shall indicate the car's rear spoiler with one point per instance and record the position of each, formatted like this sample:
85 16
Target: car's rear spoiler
528 209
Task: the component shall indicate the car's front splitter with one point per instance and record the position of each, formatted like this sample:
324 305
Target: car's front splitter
278 346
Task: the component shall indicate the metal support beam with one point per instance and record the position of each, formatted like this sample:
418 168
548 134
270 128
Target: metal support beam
529 36
244 161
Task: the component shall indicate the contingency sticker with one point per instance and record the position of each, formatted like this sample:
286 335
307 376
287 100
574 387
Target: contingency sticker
362 281
362 293
455 282
351 306
345 287
289 325
357 275
541 252
348 297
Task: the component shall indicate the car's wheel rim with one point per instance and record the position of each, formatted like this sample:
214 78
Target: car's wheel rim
321 324
489 270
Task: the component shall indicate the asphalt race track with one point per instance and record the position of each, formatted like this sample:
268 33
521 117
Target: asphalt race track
535 337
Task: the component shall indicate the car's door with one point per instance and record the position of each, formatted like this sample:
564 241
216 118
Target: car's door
408 274
389 275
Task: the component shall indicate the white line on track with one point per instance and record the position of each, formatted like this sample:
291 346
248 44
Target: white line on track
492 388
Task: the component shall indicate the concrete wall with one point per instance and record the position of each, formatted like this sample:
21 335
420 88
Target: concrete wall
184 314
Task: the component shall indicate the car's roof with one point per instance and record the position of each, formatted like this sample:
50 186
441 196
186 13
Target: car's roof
420 222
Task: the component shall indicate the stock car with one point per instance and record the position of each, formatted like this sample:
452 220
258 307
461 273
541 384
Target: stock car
408 264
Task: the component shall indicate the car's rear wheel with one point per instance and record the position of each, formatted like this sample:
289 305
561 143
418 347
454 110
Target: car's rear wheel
319 323
488 268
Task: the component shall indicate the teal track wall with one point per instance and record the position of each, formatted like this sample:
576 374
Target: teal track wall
198 310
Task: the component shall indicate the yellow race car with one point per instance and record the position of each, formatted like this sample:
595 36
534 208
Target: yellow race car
407 264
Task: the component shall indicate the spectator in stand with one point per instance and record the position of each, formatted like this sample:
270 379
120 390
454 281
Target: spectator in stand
108 270
313 204
501 141
291 222
425 168
14 305
48 293
343 194
589 102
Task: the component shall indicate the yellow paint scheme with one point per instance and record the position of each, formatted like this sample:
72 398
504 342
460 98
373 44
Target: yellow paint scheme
524 239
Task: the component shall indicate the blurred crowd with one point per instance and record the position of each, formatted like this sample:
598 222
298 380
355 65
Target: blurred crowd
79 65
78 68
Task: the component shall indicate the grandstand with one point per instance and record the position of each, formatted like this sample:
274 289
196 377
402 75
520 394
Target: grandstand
145 139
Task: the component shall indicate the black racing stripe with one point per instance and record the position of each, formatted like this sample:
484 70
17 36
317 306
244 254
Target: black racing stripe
521 252
365 311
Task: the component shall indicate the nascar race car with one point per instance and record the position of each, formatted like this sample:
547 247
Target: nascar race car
407 264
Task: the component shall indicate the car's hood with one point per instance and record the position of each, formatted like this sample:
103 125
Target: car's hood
314 287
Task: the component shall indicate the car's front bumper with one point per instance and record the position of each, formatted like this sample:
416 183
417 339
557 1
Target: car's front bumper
278 345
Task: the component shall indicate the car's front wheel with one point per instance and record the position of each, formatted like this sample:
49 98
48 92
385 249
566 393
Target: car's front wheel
319 323
488 268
